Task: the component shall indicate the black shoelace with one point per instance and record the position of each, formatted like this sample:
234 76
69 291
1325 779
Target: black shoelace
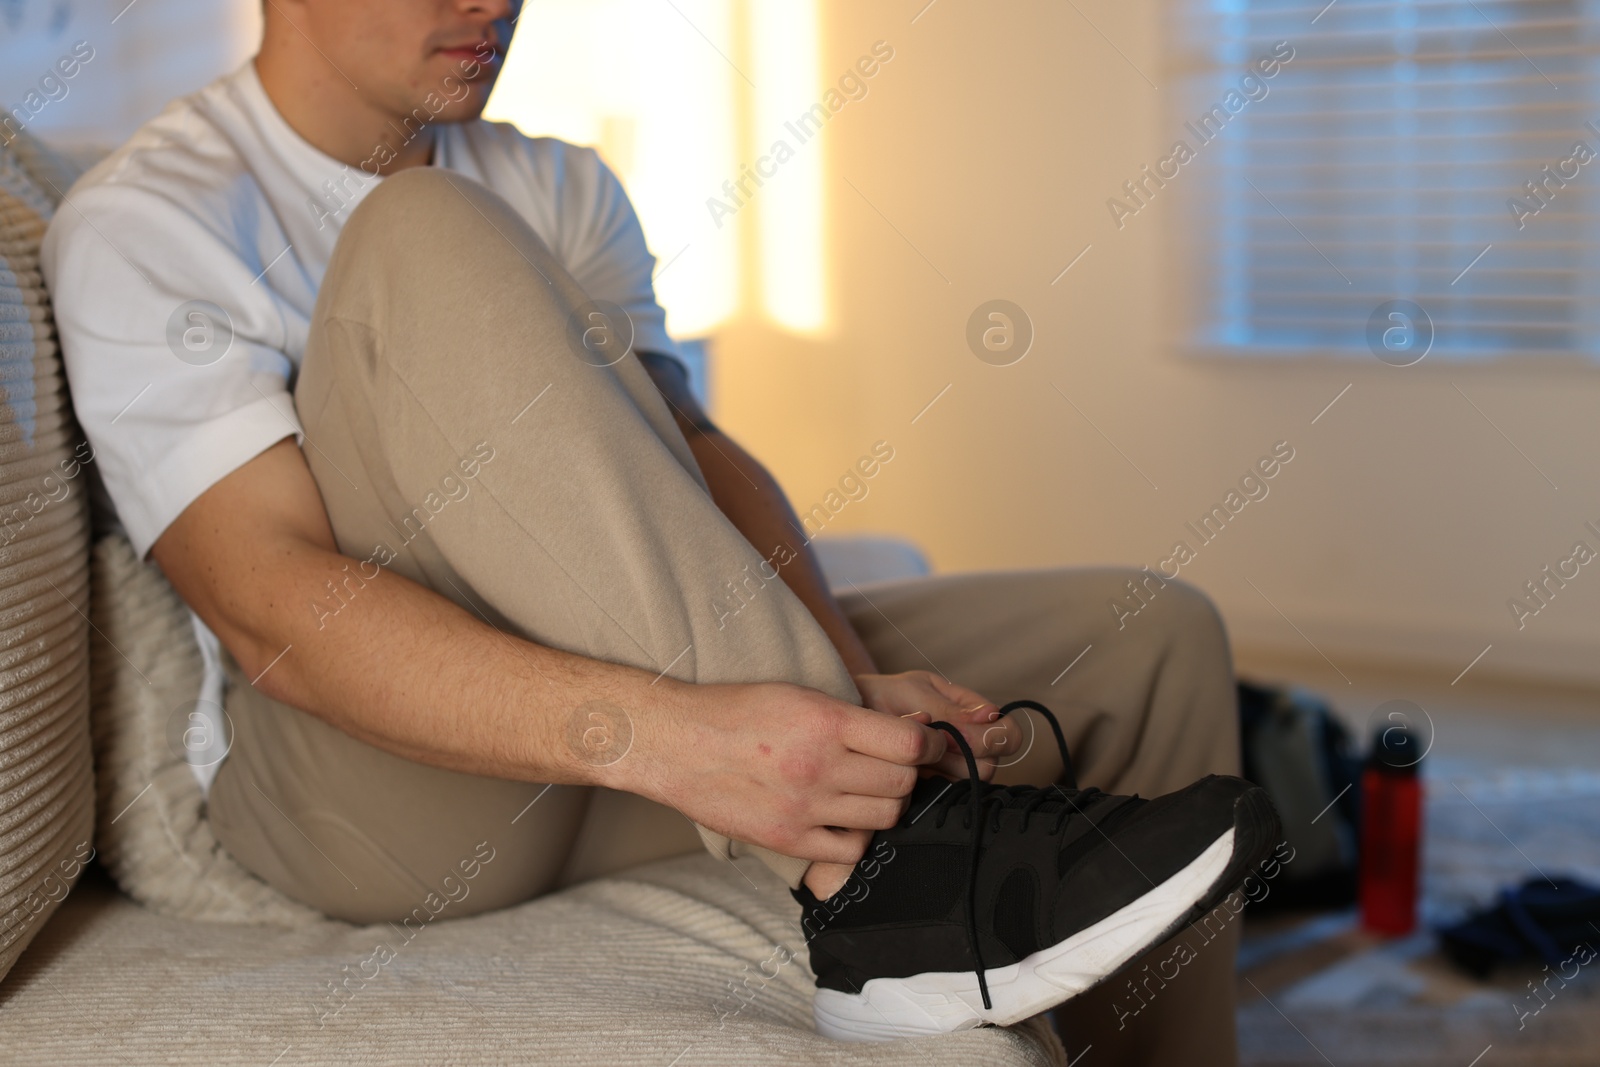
983 798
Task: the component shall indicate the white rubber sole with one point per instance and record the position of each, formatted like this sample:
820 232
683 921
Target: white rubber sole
940 1002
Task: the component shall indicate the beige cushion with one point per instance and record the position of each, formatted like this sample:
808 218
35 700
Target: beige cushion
677 963
46 792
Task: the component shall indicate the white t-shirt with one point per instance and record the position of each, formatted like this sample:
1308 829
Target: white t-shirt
218 200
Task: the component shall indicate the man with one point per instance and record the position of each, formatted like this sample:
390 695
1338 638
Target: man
385 392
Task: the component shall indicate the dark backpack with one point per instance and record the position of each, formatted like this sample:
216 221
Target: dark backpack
1294 747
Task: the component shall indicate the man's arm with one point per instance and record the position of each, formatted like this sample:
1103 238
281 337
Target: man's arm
773 764
753 501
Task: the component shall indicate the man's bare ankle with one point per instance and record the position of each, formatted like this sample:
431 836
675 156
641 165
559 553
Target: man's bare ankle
826 879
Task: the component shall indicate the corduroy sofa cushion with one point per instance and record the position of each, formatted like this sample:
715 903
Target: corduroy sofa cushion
680 962
46 775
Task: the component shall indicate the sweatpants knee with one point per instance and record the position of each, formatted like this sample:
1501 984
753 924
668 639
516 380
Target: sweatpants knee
407 202
1190 611
1175 621
1196 644
1145 599
427 222
430 252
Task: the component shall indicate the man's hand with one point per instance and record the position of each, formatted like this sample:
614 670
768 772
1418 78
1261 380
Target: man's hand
779 765
925 697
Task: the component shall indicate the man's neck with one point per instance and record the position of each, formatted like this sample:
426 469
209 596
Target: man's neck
331 114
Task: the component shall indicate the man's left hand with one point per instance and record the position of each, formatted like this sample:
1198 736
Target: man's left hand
928 698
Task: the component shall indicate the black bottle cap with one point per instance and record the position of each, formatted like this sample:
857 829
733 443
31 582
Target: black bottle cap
1396 749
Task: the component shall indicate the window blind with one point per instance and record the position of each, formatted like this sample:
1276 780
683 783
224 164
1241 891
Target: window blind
1437 153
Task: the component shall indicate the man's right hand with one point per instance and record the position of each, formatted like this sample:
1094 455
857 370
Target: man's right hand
781 766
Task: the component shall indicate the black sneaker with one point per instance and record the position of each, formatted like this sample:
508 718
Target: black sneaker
990 904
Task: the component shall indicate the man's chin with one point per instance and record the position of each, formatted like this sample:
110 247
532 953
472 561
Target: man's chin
463 111
436 108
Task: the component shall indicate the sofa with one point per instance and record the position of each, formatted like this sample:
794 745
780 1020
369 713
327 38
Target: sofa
127 934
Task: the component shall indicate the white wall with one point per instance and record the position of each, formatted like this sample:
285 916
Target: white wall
987 150
140 55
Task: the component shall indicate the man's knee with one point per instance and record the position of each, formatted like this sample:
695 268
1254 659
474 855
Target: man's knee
1187 625
1195 642
433 253
1188 611
429 217
411 197
1148 599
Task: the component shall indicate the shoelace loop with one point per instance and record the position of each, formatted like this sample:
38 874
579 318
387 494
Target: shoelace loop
982 796
1069 776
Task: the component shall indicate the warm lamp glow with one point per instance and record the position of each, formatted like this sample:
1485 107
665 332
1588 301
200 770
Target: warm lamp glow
784 49
655 87
636 79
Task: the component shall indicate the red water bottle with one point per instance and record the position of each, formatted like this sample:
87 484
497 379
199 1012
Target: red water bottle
1391 832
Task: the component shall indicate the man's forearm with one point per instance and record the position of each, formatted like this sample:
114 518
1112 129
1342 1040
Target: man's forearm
399 666
402 668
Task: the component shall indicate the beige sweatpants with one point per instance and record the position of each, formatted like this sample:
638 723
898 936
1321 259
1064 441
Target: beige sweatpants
453 423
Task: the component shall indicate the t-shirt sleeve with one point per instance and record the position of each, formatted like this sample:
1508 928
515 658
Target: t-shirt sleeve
173 354
605 251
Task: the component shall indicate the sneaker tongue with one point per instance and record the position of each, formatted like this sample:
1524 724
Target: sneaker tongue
1047 800
1042 799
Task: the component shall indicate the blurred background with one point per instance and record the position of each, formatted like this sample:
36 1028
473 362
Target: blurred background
1360 234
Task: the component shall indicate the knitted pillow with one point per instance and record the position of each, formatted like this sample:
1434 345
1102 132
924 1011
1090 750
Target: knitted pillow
154 837
46 777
